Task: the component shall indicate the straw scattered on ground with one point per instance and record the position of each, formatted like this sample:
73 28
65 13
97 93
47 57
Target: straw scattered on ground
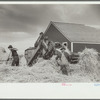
87 70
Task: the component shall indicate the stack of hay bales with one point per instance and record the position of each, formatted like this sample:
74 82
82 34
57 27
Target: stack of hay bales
3 55
89 63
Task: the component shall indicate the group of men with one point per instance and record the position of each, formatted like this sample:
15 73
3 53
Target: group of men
47 50
46 46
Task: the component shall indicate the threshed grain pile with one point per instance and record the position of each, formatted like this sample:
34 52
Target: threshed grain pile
87 70
44 71
90 63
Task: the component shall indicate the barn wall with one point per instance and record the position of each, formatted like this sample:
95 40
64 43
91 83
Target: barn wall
56 36
81 46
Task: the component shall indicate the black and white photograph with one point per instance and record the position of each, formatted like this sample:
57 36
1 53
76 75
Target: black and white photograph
49 43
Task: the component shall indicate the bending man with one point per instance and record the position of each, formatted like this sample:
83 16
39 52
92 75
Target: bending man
14 54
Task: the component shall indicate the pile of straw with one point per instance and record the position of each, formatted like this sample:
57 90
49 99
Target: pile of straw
89 63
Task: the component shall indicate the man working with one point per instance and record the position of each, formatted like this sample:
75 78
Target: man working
64 62
65 45
40 38
15 57
48 48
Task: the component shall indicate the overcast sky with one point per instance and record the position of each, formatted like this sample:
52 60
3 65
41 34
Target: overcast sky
20 22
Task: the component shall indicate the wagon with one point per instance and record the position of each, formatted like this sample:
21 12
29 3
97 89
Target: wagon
31 55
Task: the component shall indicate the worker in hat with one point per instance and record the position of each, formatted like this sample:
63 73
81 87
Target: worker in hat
65 45
40 38
45 44
48 48
63 62
14 54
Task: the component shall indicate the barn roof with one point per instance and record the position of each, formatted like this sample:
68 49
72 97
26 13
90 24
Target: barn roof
78 32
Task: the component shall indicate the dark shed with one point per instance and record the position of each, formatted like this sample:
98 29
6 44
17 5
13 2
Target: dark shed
78 36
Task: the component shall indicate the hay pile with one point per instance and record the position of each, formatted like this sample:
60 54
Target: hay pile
87 70
42 71
3 55
22 61
90 64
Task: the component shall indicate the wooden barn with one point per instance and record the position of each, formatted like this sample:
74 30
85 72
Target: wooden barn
78 36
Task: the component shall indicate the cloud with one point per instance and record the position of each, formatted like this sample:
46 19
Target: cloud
18 22
20 45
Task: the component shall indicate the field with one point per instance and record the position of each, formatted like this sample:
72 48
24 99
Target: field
47 71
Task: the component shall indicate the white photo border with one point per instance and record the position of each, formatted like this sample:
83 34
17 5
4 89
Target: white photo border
49 90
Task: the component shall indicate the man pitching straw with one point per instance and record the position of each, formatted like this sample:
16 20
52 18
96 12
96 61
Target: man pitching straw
14 55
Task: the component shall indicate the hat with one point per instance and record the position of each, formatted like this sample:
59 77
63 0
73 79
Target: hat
10 46
41 33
